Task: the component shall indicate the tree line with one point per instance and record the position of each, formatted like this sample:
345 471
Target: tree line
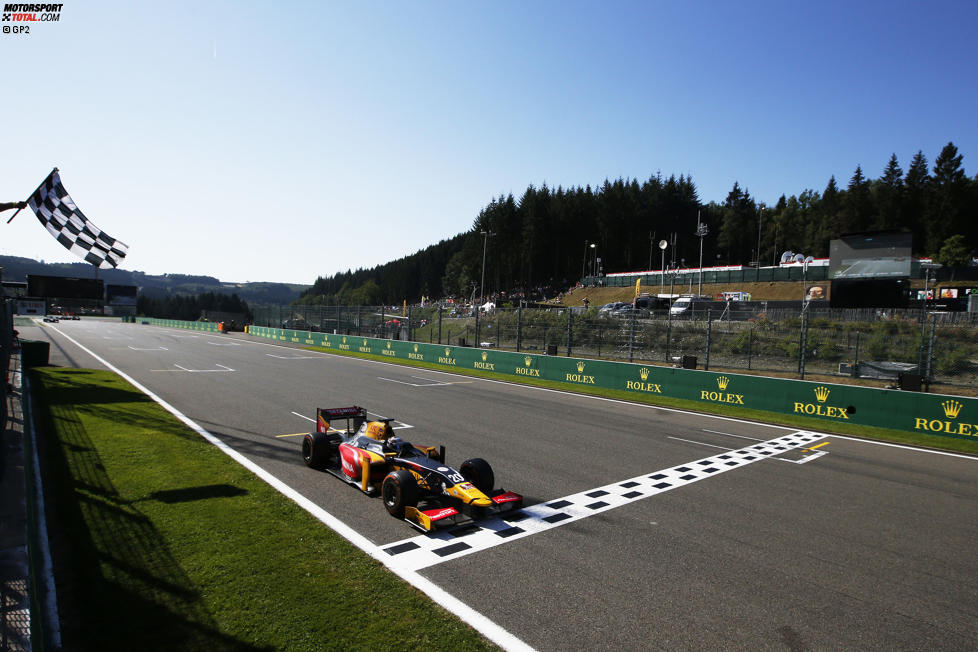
190 308
545 237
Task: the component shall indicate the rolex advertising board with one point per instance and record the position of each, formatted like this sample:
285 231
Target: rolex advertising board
931 414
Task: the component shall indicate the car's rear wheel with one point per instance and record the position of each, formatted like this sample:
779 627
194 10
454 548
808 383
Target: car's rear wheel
399 490
317 450
478 472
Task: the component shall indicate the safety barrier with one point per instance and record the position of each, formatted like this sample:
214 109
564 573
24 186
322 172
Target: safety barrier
931 414
206 326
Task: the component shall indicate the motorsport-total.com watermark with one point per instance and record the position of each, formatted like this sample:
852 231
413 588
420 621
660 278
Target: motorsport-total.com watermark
27 14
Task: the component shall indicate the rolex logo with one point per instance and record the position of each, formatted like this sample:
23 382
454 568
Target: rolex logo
527 360
643 373
344 340
448 351
365 342
580 367
415 348
822 393
952 409
484 356
722 382
389 344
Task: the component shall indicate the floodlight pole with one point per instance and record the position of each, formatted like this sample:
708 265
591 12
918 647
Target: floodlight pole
584 261
701 230
482 286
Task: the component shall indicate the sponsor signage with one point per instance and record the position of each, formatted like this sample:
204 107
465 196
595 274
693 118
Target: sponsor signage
899 410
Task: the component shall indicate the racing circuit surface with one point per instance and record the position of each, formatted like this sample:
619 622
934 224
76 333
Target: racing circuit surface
644 527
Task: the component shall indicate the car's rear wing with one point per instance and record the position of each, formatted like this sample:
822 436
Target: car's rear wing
354 416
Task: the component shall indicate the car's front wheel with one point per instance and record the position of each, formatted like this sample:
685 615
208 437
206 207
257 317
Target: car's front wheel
478 472
399 490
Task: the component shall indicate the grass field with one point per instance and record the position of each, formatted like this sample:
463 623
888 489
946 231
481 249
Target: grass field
162 542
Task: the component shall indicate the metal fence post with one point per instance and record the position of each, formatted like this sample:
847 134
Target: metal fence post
569 335
410 328
668 334
498 336
855 362
930 349
750 344
709 330
383 320
804 344
923 343
631 336
439 324
358 320
519 328
339 318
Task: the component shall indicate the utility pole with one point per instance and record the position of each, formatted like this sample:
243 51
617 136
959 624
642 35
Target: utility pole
701 230
662 278
584 261
482 286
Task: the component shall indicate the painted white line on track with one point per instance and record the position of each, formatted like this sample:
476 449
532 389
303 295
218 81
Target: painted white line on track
402 382
205 371
467 614
158 348
730 434
430 549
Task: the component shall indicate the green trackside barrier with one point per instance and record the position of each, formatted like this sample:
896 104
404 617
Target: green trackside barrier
934 414
205 326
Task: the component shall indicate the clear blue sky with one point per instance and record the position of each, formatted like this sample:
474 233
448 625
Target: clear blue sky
285 141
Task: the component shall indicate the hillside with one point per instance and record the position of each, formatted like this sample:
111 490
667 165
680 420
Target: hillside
16 269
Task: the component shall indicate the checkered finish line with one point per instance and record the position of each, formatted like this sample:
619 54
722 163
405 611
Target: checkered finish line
430 549
69 226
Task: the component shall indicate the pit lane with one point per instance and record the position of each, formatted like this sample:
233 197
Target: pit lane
867 546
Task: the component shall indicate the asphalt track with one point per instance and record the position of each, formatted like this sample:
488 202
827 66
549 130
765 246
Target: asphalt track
826 543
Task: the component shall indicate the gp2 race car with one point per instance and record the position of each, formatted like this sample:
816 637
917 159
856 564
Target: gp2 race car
414 482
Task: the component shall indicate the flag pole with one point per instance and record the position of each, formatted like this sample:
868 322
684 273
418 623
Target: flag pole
32 194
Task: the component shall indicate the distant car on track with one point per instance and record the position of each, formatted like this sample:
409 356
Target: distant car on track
414 482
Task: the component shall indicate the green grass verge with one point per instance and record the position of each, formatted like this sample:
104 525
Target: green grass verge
866 432
164 542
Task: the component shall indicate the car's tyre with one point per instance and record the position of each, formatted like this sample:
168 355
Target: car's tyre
478 472
317 450
399 490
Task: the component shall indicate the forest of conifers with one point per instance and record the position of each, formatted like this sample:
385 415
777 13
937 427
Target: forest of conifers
544 237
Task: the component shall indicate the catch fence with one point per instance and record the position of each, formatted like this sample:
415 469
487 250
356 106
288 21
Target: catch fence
905 346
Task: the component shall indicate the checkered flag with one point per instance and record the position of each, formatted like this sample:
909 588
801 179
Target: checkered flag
59 215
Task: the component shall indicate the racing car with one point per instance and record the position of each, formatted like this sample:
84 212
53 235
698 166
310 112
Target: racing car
414 482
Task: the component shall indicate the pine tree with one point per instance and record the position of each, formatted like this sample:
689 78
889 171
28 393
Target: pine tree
858 212
946 208
916 187
889 196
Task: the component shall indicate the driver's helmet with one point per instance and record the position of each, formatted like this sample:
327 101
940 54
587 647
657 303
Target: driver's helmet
379 430
395 443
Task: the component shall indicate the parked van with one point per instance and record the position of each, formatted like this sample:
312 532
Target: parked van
686 306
